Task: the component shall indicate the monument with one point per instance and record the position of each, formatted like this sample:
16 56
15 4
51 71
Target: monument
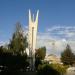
33 24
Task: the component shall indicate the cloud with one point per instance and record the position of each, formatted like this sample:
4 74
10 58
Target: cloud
54 46
3 43
26 27
62 31
60 36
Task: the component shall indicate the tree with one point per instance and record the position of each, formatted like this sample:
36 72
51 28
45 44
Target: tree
1 49
18 42
67 57
13 56
41 53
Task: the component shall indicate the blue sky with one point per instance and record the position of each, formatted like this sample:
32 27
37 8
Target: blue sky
53 14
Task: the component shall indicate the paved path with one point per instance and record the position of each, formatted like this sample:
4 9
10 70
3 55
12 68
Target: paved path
70 71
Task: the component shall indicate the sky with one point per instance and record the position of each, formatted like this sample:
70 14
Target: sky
56 21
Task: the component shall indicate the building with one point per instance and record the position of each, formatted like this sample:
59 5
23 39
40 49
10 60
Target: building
53 59
32 35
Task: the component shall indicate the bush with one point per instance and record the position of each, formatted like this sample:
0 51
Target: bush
13 62
60 68
47 70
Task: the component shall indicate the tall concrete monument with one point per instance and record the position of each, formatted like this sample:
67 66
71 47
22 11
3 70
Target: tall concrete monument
33 24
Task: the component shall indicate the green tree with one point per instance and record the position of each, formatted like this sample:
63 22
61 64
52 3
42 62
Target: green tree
1 49
41 53
67 57
18 42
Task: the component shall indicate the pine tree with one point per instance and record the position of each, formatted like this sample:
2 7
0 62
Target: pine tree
67 57
18 43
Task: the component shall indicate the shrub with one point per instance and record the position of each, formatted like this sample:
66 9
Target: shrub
47 70
60 68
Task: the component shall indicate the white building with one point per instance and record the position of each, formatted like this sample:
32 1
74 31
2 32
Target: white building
53 59
32 35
